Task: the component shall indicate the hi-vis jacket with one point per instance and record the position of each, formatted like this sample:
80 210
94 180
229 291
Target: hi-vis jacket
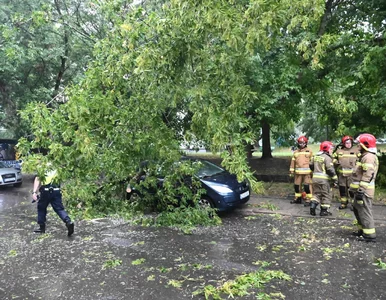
345 161
365 174
323 168
300 163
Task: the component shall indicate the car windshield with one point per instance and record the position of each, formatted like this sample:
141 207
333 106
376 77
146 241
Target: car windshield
208 169
3 165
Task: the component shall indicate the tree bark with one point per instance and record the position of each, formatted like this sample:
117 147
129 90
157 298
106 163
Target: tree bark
266 140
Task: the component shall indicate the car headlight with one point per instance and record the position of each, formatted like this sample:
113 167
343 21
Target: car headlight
221 189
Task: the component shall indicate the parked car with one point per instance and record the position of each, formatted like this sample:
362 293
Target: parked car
10 175
222 190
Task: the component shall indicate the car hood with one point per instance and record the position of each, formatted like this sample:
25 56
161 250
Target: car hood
8 170
222 178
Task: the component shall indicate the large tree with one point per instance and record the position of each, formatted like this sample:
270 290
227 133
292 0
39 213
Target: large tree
196 69
348 91
44 47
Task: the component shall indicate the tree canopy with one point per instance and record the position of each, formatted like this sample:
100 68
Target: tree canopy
211 71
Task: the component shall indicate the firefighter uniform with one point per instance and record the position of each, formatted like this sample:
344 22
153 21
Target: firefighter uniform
345 162
364 186
323 172
300 168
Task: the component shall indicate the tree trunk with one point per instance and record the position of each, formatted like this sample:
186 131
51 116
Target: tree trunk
266 140
248 150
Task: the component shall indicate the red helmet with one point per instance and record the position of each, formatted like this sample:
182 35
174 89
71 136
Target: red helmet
346 138
368 142
302 139
326 146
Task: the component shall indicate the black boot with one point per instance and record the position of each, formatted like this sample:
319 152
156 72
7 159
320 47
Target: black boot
40 229
297 201
358 233
324 212
366 239
343 206
70 228
313 206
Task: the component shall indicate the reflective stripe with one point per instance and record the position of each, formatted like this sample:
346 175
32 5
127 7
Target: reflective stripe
365 166
345 171
320 176
367 185
347 155
297 195
368 230
303 169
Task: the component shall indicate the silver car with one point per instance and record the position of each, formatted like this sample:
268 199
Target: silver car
10 175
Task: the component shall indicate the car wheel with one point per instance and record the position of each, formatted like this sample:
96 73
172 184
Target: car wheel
205 202
17 184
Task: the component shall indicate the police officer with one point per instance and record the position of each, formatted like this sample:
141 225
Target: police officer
300 169
323 171
46 191
345 158
364 187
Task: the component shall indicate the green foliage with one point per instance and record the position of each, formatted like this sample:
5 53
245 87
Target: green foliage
138 261
187 218
380 264
240 286
111 263
381 176
156 73
44 47
209 71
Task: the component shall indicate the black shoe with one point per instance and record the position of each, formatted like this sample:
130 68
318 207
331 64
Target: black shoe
324 213
312 211
357 233
70 228
40 229
297 201
342 206
366 239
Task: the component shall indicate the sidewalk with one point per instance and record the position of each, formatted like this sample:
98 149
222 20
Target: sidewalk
269 205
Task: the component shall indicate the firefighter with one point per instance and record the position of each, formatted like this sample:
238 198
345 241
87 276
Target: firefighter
345 158
300 169
323 171
364 187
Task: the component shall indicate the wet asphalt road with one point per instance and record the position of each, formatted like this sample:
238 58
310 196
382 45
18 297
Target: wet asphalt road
111 259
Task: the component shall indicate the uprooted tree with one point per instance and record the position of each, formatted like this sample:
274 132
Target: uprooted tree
211 71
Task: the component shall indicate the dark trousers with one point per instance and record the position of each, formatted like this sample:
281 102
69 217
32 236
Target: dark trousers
55 199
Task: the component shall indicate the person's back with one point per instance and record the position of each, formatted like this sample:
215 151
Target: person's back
323 171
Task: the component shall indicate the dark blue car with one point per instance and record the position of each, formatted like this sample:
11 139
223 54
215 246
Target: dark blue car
222 190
